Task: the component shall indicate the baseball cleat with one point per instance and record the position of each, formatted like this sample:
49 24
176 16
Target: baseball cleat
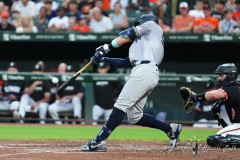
174 134
93 146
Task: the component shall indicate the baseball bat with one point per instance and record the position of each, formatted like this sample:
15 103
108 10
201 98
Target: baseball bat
75 75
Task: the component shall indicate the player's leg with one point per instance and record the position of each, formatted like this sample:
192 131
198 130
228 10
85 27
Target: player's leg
96 113
77 108
140 82
25 100
42 109
126 99
98 144
55 108
107 113
136 116
53 111
14 107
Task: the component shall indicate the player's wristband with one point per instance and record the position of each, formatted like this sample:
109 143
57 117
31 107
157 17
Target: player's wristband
113 44
200 97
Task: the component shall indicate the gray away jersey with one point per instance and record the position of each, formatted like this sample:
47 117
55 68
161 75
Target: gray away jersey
149 44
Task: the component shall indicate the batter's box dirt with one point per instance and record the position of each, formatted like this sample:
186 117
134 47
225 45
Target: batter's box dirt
117 150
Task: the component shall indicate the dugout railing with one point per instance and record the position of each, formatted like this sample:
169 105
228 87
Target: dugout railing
164 98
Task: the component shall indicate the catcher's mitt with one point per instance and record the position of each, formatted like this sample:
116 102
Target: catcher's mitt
188 98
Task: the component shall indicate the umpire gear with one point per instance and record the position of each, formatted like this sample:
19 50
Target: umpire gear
146 17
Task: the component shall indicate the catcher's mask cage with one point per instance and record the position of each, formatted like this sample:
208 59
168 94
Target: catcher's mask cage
230 70
146 17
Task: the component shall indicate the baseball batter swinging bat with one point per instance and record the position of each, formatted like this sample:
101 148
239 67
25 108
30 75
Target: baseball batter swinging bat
75 75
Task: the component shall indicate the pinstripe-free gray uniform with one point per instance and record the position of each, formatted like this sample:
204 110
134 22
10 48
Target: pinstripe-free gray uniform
143 77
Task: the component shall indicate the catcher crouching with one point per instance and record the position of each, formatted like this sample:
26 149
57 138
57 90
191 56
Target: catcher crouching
227 108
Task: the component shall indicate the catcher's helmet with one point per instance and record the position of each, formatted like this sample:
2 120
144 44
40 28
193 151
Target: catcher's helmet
146 17
230 70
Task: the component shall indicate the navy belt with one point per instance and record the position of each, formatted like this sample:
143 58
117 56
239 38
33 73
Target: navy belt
146 62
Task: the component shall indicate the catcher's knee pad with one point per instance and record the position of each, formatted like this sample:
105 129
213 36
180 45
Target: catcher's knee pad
223 141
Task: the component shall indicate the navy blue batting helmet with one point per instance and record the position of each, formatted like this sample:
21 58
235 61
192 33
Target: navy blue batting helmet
146 17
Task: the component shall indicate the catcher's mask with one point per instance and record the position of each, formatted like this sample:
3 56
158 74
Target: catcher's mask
230 70
146 17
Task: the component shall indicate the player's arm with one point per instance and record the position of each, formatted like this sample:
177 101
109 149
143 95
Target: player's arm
215 94
125 36
29 90
212 95
118 62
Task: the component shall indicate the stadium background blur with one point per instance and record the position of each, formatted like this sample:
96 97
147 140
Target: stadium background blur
182 55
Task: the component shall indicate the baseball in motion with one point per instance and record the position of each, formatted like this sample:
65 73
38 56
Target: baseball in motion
55 80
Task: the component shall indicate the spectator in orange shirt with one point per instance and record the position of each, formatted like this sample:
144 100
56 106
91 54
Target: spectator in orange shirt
82 25
106 5
207 24
183 22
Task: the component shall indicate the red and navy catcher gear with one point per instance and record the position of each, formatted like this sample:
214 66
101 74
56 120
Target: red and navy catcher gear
146 17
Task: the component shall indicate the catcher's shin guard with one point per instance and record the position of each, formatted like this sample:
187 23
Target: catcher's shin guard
221 141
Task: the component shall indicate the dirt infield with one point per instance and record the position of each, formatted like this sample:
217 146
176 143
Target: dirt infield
117 150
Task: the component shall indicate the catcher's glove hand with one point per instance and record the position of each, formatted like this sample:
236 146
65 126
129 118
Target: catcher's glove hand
188 98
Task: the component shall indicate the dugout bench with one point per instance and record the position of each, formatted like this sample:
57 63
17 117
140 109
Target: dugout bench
164 97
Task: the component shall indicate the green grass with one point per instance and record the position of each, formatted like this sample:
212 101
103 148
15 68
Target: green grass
76 132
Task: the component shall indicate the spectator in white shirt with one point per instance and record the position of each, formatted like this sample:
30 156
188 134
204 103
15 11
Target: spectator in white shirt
100 23
198 11
25 7
59 23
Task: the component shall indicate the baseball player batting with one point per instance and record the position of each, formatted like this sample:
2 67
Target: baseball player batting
145 54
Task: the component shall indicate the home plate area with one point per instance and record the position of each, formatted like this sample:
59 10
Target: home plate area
117 150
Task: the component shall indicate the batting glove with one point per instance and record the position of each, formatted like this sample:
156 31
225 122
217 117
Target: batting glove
96 58
103 50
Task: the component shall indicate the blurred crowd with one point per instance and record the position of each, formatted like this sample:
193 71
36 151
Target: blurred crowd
100 16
